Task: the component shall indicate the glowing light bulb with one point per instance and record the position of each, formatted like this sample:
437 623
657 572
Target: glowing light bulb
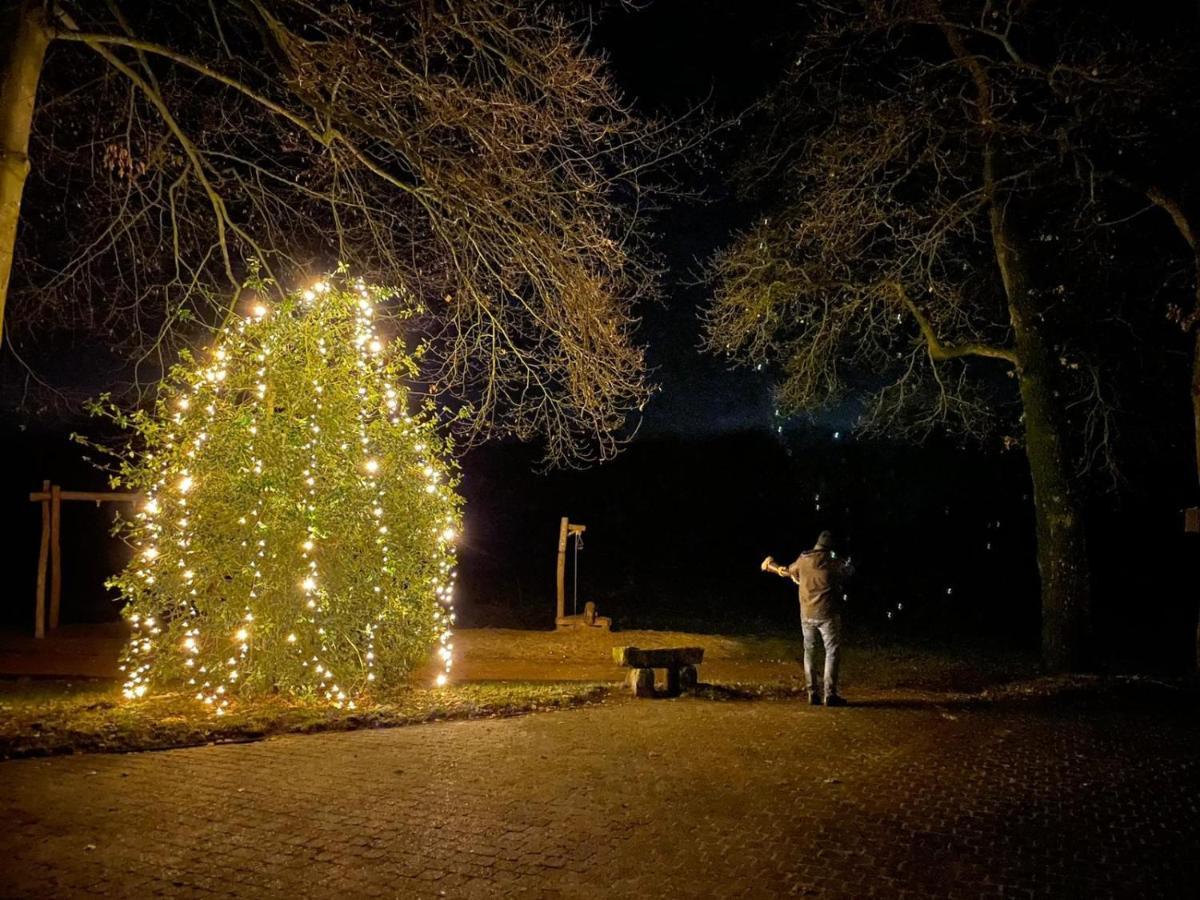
242 634
440 681
291 638
309 584
150 553
260 310
449 534
372 466
185 484
375 346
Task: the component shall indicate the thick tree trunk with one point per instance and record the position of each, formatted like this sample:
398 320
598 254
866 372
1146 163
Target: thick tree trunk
1196 417
1061 535
1196 381
24 36
1058 509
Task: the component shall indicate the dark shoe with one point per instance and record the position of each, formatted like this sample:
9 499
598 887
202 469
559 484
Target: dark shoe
835 700
814 698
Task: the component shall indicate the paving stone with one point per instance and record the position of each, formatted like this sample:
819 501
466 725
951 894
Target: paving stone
688 798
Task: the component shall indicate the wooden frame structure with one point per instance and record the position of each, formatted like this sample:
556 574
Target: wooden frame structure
588 618
51 496
566 529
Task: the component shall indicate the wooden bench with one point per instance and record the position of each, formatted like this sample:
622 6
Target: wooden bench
679 662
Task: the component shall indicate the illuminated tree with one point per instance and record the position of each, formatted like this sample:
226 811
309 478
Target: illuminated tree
299 523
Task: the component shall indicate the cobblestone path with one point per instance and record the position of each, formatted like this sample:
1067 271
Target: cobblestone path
683 798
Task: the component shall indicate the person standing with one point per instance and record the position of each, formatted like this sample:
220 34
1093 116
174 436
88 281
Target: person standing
820 576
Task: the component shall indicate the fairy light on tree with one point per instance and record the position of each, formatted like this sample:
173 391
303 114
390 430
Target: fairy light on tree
299 527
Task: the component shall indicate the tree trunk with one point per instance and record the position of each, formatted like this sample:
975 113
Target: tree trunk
1058 509
1196 416
1196 379
24 36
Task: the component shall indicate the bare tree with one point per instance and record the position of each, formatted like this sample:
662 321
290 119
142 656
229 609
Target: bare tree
472 152
934 243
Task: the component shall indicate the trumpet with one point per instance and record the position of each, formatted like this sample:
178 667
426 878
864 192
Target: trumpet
769 565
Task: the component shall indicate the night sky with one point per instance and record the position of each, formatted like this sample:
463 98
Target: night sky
672 58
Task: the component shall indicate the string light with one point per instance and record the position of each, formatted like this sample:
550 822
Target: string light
300 521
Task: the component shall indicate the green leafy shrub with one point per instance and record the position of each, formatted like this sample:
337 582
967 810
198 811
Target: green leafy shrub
300 516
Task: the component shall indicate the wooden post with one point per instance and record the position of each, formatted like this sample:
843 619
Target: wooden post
39 620
673 681
50 555
1191 525
562 569
641 682
55 554
566 529
688 678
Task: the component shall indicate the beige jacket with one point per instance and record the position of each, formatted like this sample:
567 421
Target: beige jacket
820 576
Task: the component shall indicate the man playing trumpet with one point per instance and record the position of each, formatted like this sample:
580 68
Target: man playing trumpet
820 575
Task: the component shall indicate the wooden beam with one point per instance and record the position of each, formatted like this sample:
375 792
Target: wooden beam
661 658
55 555
562 567
39 620
92 496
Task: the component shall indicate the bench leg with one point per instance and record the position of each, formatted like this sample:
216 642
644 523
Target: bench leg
641 682
673 681
688 678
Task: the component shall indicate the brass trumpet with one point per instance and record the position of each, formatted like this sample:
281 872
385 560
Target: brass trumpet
769 565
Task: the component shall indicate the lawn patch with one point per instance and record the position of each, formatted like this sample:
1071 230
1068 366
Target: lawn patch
50 717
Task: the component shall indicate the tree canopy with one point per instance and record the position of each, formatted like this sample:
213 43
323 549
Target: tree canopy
475 151
947 197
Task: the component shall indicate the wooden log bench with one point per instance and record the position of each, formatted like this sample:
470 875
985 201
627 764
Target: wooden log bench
679 662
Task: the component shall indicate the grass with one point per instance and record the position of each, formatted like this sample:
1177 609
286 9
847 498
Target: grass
51 717
758 661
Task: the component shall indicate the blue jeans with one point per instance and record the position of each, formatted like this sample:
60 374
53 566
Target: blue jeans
829 631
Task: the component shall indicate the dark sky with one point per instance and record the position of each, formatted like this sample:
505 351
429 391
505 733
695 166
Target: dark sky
671 57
